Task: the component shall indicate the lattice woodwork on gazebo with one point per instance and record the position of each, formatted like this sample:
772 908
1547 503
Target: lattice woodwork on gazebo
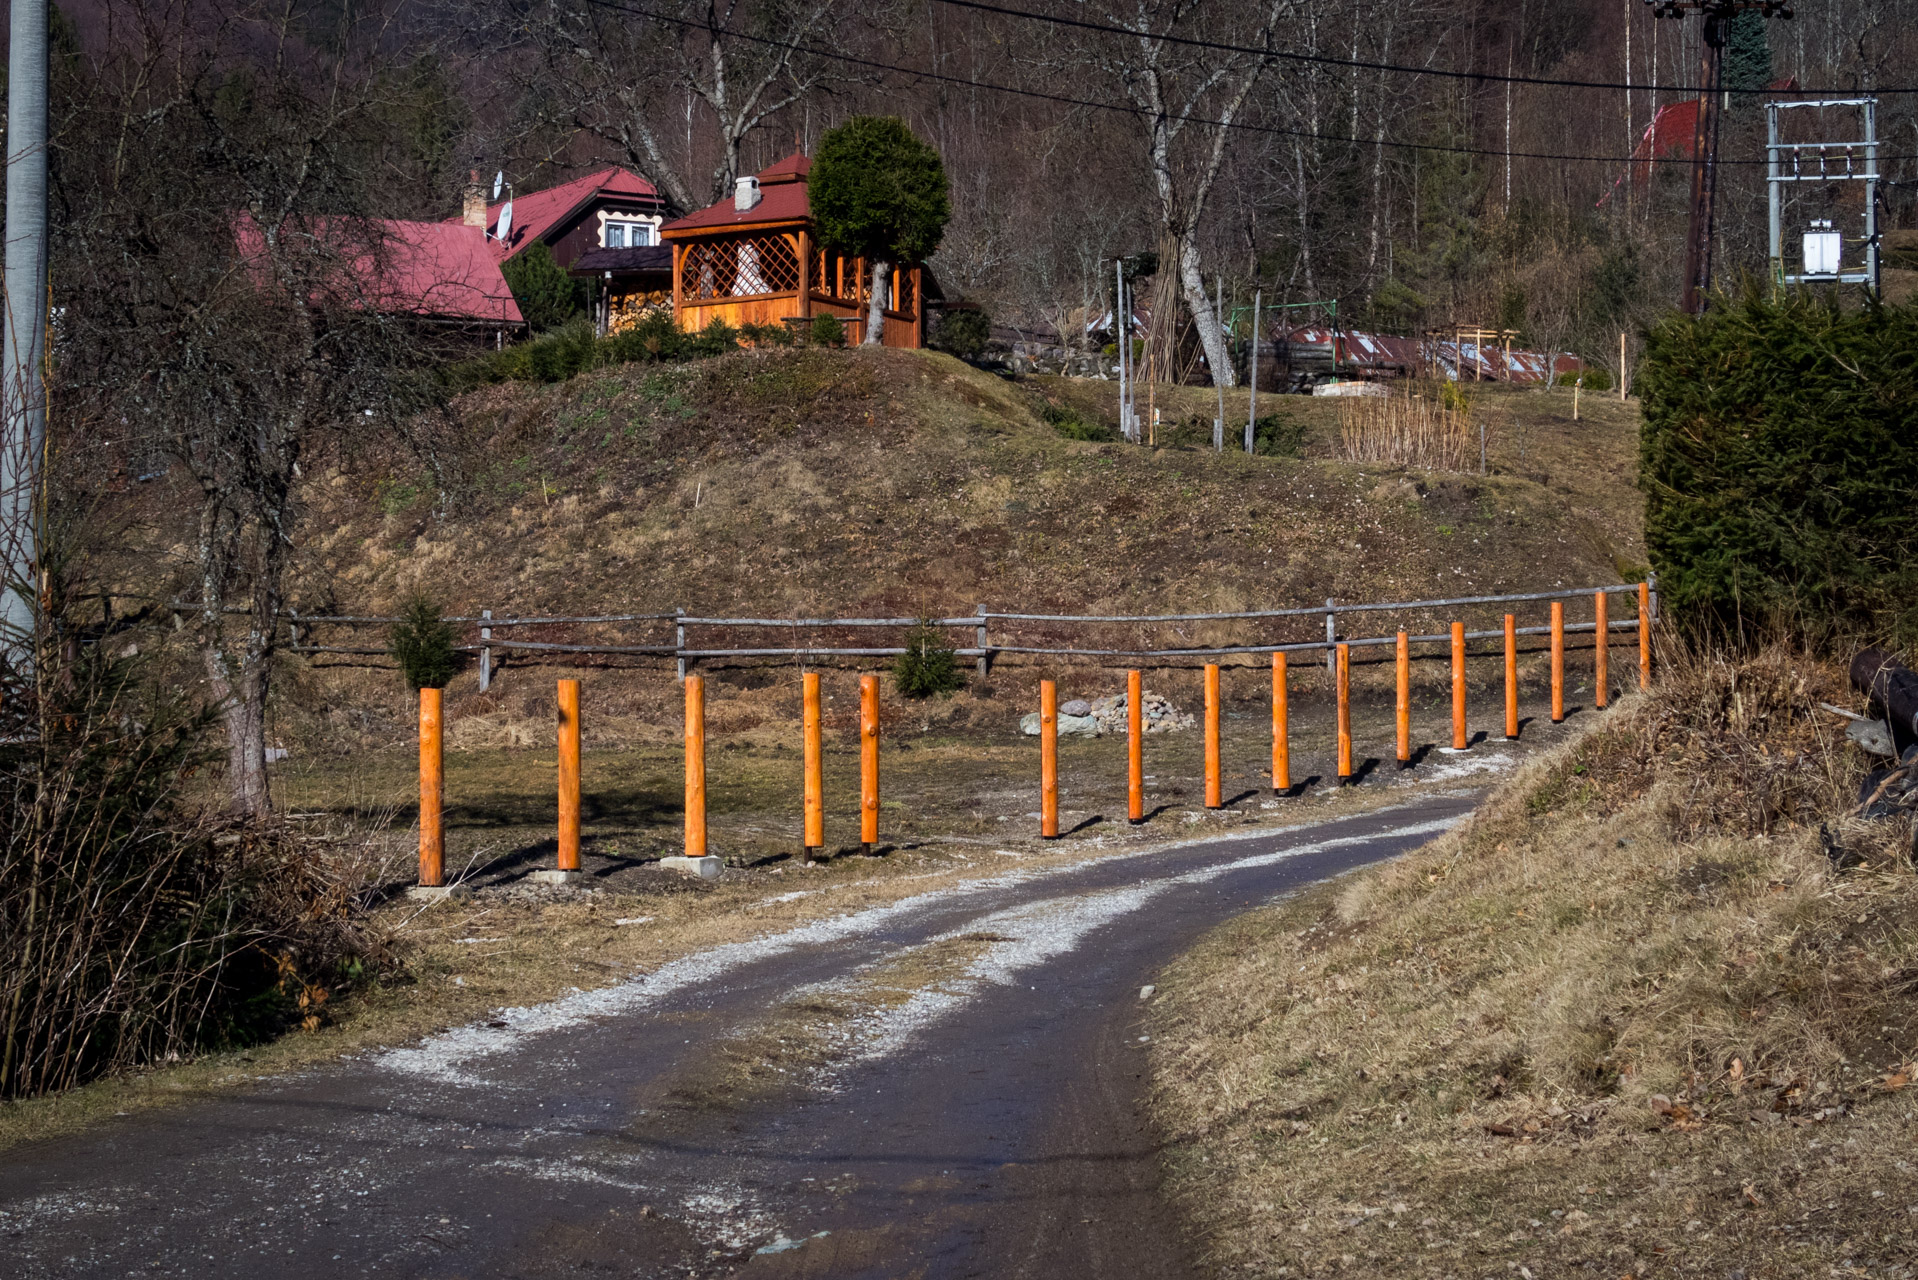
740 267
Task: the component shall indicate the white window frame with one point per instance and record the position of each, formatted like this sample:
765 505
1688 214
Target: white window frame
648 224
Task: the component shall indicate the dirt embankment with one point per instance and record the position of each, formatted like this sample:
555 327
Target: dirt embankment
1642 1017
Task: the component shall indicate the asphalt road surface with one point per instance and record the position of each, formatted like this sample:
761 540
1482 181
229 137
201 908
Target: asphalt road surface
985 1123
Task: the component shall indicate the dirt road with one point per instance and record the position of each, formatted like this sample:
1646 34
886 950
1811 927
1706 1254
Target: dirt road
944 1086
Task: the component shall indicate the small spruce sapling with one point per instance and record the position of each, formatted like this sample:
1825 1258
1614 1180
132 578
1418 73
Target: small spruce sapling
423 644
928 667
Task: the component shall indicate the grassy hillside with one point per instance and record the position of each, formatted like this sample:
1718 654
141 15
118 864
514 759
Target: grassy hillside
1634 1020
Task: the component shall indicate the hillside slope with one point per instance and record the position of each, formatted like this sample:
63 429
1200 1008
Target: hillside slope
861 483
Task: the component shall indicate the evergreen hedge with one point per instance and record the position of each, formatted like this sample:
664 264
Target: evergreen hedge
1779 460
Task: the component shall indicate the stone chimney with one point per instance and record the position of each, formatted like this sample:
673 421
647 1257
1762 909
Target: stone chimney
475 208
745 194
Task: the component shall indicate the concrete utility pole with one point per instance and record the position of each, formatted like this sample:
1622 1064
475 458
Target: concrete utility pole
23 344
1711 93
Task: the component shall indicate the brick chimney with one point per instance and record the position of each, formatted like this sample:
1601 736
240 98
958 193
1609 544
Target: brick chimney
475 209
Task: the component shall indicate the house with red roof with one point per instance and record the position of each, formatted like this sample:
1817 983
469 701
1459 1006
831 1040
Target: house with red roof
610 208
755 258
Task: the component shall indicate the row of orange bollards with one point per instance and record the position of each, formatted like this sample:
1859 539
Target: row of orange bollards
432 772
1342 668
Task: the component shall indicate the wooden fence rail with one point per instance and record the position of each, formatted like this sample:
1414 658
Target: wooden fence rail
683 651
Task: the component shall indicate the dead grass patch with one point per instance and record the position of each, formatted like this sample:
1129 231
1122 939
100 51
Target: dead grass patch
1630 1021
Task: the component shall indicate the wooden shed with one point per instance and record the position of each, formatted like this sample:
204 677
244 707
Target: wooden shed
754 259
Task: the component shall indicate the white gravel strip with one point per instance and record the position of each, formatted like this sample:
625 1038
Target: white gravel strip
449 1058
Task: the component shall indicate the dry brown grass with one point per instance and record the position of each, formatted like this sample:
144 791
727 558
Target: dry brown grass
1630 1022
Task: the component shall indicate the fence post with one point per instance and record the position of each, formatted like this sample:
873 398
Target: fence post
432 792
1135 747
1644 635
569 775
1331 637
869 761
815 817
1048 760
1213 798
679 645
1281 728
1511 677
1602 661
1403 703
1459 739
1558 662
985 658
1343 661
486 652
695 766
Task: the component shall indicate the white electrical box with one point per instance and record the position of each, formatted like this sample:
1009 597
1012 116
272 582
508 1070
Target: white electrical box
1824 248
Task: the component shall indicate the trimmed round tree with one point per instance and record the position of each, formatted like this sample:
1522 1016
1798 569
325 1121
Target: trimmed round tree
879 193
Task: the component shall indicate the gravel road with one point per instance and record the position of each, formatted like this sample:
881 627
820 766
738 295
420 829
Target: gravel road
945 1086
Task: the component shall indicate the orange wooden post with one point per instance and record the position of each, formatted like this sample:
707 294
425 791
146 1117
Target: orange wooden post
432 791
1048 759
1281 729
1345 711
569 775
815 834
1602 660
1644 635
869 761
695 766
1404 703
1511 676
1134 747
1213 798
1459 740
1558 662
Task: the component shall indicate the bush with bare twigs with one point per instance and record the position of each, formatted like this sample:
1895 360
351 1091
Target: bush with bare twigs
1419 428
134 926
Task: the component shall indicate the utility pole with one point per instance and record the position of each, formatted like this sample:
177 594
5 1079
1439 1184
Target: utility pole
1711 93
23 343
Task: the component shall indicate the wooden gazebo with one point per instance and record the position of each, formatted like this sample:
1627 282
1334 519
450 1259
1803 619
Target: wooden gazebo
753 259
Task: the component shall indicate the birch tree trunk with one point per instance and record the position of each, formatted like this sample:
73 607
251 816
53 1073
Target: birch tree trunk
876 308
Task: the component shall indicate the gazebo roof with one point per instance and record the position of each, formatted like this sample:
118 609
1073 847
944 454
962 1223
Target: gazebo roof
782 198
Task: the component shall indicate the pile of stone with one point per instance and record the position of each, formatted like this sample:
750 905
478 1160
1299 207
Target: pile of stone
1108 715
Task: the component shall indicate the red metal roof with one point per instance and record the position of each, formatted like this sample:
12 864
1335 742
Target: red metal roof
782 198
442 270
1382 351
536 213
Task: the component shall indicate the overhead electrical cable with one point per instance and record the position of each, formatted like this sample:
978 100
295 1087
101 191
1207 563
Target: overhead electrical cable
1397 68
1124 108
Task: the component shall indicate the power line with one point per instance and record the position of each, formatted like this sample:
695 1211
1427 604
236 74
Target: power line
1359 64
1123 108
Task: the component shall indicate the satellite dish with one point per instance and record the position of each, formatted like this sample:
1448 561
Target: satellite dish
499 181
505 227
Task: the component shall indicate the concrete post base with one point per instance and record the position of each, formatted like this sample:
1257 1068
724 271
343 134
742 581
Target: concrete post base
438 892
552 875
706 868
